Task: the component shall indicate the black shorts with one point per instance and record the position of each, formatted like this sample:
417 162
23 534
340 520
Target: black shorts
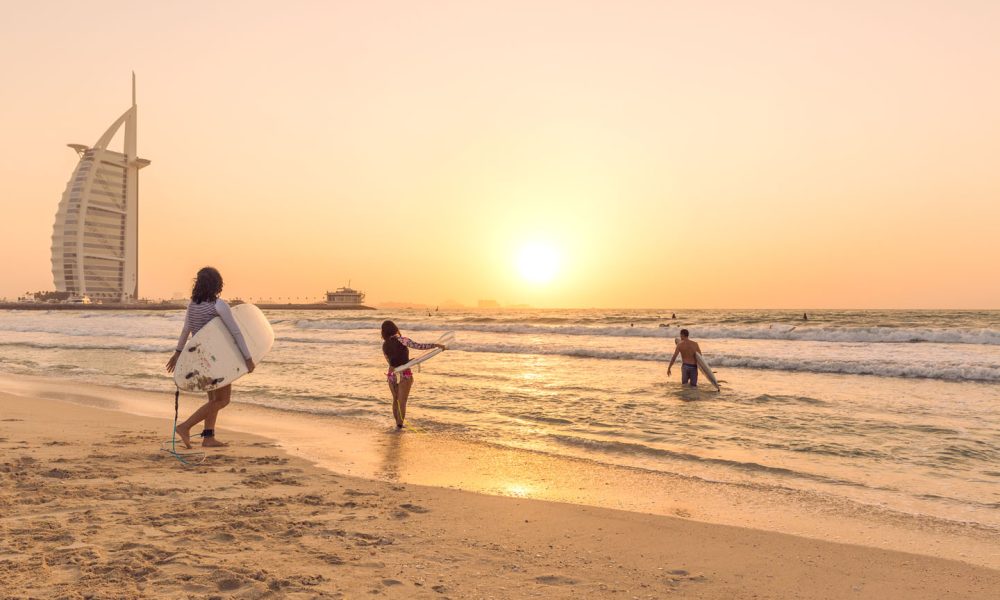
689 373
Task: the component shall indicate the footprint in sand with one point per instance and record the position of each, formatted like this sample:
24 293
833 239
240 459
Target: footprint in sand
57 474
679 576
227 581
413 508
308 579
269 460
369 539
330 559
555 580
260 480
228 585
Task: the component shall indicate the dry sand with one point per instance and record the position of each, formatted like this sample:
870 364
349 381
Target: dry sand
91 508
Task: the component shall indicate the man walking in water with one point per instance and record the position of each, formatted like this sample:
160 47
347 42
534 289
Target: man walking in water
689 364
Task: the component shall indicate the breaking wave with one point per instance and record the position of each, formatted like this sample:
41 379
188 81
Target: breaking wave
982 336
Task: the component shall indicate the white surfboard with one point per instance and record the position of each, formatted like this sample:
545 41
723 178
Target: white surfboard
211 359
704 367
707 370
446 340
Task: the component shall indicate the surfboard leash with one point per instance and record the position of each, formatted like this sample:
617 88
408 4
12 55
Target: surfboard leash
188 459
406 424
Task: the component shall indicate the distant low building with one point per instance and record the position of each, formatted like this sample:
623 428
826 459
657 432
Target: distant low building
345 296
52 296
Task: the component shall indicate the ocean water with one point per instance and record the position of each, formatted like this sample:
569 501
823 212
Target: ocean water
897 409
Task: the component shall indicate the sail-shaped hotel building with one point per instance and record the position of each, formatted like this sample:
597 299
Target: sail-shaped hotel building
95 240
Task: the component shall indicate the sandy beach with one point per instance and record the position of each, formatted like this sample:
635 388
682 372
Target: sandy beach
93 509
501 300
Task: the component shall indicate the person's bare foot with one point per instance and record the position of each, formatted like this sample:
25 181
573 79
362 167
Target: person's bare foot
185 434
211 442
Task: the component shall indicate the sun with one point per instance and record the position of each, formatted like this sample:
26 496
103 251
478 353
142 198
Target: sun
538 262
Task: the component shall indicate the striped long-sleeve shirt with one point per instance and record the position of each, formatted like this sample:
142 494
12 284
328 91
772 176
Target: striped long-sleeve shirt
200 313
411 344
399 355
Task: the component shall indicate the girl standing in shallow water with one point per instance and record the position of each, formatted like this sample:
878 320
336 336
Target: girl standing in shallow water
395 348
206 305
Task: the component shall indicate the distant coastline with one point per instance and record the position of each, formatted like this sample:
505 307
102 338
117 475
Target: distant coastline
165 306
315 306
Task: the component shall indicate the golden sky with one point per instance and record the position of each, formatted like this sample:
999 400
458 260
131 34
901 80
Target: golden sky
654 154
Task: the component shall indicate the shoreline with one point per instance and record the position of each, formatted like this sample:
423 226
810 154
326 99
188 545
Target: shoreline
90 498
348 447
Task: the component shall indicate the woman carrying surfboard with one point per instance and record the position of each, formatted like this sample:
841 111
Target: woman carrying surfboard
395 348
206 305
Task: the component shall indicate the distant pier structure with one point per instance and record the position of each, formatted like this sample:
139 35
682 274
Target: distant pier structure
345 296
95 239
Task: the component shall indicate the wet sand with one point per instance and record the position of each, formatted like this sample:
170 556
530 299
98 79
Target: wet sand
92 507
363 449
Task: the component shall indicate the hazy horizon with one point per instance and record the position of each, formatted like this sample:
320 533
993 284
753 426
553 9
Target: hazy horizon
445 305
561 154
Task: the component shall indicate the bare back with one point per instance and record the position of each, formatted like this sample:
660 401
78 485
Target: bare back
688 349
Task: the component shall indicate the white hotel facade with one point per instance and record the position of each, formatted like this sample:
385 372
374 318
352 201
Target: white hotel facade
95 240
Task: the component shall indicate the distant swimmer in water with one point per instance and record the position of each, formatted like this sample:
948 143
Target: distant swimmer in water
673 316
395 348
689 364
805 317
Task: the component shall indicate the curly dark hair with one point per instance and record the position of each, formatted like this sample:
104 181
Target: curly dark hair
207 286
389 329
